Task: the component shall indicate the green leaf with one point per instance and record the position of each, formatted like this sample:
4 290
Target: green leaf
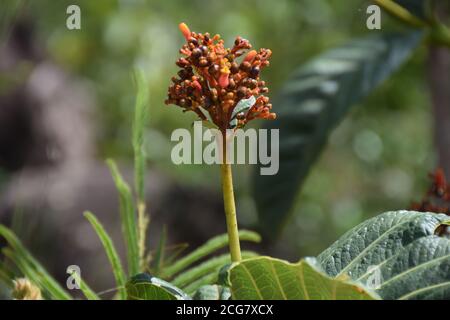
412 262
376 240
31 267
140 119
111 252
210 278
209 247
419 271
159 257
128 219
145 287
266 278
212 265
87 291
212 292
6 276
311 105
243 106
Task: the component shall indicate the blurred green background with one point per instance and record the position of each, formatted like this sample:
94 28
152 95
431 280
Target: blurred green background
377 159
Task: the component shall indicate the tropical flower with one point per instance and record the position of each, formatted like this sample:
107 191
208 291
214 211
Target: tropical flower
221 84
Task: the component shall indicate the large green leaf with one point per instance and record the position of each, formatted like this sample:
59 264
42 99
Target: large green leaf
401 246
145 287
266 278
212 292
312 103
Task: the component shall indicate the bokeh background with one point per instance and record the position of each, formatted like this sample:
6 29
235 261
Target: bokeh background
376 160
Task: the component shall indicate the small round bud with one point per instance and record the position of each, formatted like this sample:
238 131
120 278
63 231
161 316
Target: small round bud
241 92
245 66
213 69
254 72
203 62
183 74
232 84
252 84
234 68
196 53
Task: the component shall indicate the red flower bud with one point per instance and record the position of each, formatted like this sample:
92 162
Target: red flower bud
224 80
250 56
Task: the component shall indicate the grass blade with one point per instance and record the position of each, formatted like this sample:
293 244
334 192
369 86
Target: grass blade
111 252
128 219
195 285
140 118
211 265
209 247
6 277
87 291
30 264
159 255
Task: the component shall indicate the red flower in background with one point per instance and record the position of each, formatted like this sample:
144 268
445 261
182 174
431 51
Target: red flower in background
212 82
437 198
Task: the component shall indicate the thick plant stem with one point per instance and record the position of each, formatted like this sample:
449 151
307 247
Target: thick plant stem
230 212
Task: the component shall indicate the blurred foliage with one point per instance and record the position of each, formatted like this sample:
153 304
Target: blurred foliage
377 159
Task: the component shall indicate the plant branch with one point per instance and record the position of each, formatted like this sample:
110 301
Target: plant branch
401 13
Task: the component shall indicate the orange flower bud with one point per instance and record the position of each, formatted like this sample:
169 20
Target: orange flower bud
185 30
197 85
250 56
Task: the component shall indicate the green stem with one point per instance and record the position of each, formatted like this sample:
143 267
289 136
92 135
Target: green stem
401 13
229 205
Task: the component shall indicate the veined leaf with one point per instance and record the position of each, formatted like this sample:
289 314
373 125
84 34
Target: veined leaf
212 292
311 105
419 271
376 240
266 278
410 261
145 287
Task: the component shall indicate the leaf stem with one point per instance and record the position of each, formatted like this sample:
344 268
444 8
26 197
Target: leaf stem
401 13
229 205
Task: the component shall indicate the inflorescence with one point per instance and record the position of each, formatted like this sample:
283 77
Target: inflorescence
213 79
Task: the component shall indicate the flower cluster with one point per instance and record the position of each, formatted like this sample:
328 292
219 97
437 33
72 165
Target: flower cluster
213 79
437 198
